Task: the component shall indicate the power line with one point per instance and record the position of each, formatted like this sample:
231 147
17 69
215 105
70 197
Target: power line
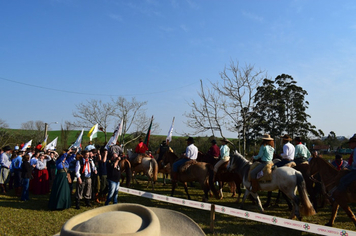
95 94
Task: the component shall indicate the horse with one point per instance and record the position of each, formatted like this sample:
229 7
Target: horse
148 166
286 179
312 190
198 171
125 167
223 176
164 169
330 177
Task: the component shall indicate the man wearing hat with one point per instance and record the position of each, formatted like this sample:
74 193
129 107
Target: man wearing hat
5 162
191 153
224 154
214 150
83 170
288 151
347 179
163 148
266 156
302 153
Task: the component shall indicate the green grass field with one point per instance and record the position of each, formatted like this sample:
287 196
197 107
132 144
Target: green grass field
34 218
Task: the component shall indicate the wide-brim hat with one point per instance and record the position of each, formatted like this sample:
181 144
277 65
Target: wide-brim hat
130 219
6 148
352 139
225 140
266 137
190 139
286 137
213 141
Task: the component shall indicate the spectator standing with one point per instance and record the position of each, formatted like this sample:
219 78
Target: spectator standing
113 178
41 177
339 163
17 171
26 172
83 170
5 162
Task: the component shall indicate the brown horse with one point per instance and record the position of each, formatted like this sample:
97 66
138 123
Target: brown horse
330 177
199 171
223 176
125 167
164 169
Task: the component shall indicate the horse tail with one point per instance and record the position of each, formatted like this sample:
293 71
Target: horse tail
128 173
211 180
307 208
155 169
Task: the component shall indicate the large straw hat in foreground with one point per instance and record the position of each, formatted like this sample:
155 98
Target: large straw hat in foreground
130 219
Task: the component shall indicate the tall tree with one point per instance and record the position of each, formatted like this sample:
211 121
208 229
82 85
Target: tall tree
95 112
238 86
207 115
281 108
5 134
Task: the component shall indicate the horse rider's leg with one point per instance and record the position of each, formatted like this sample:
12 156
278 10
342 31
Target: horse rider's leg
333 214
186 189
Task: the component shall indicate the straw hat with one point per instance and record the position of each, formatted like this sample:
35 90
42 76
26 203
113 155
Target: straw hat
225 140
130 219
266 137
286 137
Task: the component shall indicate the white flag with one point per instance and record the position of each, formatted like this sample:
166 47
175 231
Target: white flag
78 142
27 145
93 132
115 135
170 133
52 145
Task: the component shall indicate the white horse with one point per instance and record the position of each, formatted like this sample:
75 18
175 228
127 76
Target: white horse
148 166
286 179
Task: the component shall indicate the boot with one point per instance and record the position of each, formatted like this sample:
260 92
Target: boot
97 198
255 186
77 204
87 203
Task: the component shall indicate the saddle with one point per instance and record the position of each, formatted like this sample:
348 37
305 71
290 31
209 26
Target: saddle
267 172
138 159
186 165
291 164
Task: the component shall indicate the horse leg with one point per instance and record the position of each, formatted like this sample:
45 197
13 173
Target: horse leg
257 198
221 184
186 189
349 212
269 196
206 189
239 191
173 187
333 214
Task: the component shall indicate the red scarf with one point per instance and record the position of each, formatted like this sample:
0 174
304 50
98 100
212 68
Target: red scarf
338 167
86 165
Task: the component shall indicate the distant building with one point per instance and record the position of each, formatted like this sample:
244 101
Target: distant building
322 148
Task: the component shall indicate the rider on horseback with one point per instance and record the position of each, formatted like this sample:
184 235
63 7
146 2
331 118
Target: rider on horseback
288 151
214 150
350 177
163 148
302 153
266 155
191 153
224 155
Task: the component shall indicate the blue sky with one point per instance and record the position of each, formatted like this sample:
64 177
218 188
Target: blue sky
158 51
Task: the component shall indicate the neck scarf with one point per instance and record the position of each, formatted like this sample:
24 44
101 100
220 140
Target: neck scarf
86 166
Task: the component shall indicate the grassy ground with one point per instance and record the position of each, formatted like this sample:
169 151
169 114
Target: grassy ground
34 218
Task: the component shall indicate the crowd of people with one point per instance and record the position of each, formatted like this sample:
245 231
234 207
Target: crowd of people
98 174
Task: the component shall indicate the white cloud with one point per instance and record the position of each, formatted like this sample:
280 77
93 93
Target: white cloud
252 16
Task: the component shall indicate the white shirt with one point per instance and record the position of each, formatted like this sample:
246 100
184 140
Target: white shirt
191 152
288 151
87 173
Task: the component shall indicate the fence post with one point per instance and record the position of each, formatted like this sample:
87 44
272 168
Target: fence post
212 218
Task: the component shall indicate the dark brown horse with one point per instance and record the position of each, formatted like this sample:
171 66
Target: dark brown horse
126 172
330 177
223 176
199 171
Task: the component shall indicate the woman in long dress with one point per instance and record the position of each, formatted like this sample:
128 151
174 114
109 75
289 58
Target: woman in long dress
60 197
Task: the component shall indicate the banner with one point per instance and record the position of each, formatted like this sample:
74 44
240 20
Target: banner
52 145
115 135
147 138
170 133
93 132
27 145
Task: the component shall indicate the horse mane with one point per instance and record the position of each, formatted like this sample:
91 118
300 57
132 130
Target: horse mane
242 165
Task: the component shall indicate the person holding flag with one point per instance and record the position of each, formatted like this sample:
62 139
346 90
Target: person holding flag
141 147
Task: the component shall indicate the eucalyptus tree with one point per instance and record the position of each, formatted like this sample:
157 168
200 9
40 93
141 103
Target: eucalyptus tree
281 108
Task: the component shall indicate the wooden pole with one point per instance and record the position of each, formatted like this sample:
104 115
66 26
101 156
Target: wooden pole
212 218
